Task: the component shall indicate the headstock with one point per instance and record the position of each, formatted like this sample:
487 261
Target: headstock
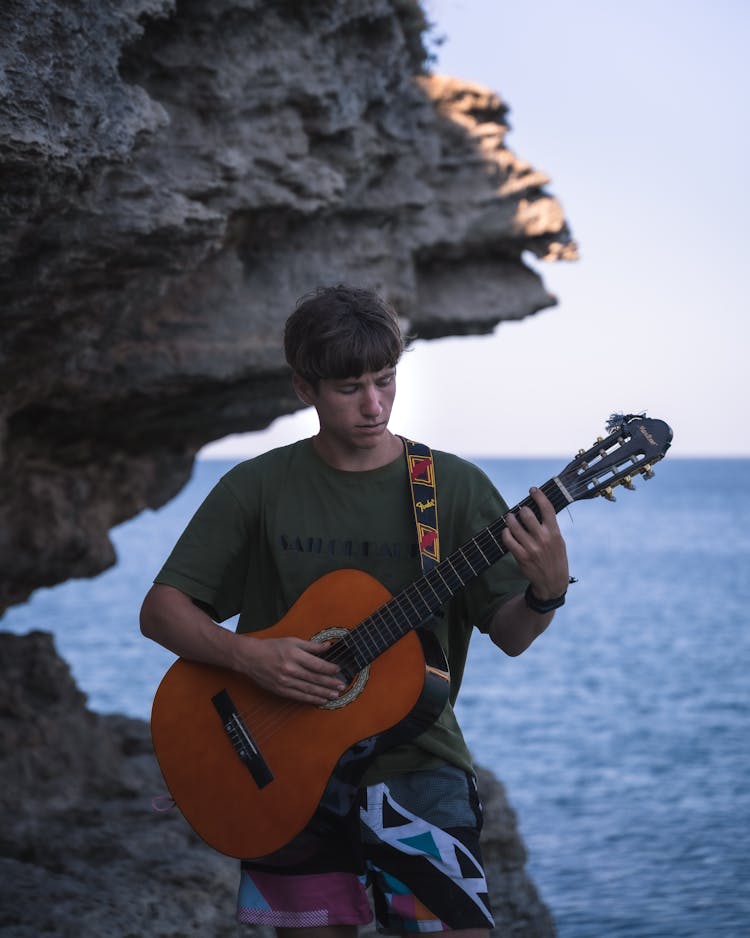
634 444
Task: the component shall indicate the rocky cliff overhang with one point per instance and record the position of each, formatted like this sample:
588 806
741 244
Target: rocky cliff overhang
175 174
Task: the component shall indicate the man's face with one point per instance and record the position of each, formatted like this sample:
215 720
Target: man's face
353 412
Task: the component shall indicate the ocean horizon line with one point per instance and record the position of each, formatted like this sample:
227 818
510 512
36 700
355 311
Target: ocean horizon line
250 454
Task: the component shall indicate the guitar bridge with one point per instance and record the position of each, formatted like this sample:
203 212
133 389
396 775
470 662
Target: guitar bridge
241 739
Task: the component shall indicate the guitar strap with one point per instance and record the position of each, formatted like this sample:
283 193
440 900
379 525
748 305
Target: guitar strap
421 471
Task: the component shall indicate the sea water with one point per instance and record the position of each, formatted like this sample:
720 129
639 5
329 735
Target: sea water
621 734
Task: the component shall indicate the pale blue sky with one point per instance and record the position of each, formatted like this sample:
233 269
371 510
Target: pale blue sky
638 112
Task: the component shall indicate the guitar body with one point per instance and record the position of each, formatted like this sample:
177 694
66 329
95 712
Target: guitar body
261 777
295 767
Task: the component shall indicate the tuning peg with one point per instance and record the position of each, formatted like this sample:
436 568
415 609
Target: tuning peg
607 493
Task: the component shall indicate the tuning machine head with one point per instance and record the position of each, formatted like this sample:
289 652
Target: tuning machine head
634 444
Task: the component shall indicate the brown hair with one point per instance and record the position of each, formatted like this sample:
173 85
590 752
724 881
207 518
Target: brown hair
342 332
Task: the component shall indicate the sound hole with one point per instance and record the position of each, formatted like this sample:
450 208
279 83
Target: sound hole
357 684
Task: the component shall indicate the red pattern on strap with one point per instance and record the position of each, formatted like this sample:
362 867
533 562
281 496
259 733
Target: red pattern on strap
421 468
424 501
428 539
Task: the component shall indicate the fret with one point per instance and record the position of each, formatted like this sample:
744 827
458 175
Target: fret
406 596
438 585
396 617
429 606
428 594
474 572
490 551
461 564
451 568
557 493
484 557
356 641
495 540
438 572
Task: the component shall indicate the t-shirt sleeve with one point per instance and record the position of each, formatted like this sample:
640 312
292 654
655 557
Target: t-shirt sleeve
210 559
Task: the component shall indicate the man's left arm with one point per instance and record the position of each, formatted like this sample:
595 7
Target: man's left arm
539 549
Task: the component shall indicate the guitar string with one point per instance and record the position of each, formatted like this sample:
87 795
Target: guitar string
376 632
264 726
375 642
489 549
339 654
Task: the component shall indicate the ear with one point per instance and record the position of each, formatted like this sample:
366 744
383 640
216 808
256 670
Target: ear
303 389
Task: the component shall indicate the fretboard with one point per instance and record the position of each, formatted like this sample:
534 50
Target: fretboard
423 598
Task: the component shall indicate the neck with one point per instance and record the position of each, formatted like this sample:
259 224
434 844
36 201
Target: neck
357 459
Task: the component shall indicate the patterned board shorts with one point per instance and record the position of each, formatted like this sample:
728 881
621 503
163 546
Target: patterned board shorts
416 846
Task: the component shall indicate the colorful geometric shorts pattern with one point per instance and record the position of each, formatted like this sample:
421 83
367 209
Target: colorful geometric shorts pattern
417 849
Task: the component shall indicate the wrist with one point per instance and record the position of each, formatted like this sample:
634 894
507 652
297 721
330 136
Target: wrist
542 606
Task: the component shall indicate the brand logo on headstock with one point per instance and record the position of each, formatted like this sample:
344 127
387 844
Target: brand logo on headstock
648 436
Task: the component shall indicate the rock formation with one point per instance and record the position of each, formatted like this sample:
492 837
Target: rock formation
174 176
82 853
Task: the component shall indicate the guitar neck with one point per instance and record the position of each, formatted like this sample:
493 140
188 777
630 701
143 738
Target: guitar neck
428 594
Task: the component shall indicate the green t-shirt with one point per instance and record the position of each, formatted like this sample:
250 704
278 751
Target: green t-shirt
275 524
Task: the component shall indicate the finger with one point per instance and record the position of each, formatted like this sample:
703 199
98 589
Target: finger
314 648
312 660
308 695
529 519
308 686
520 526
545 506
512 533
315 670
305 679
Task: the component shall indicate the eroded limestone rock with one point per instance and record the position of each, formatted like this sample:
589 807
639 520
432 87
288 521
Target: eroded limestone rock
174 177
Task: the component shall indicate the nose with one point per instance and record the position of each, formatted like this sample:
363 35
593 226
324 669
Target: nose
371 404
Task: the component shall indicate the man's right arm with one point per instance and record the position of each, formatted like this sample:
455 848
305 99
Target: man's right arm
290 667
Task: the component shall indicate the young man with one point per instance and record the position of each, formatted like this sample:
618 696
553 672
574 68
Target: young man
275 524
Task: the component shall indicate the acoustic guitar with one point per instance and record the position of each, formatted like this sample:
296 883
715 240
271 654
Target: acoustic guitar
261 777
